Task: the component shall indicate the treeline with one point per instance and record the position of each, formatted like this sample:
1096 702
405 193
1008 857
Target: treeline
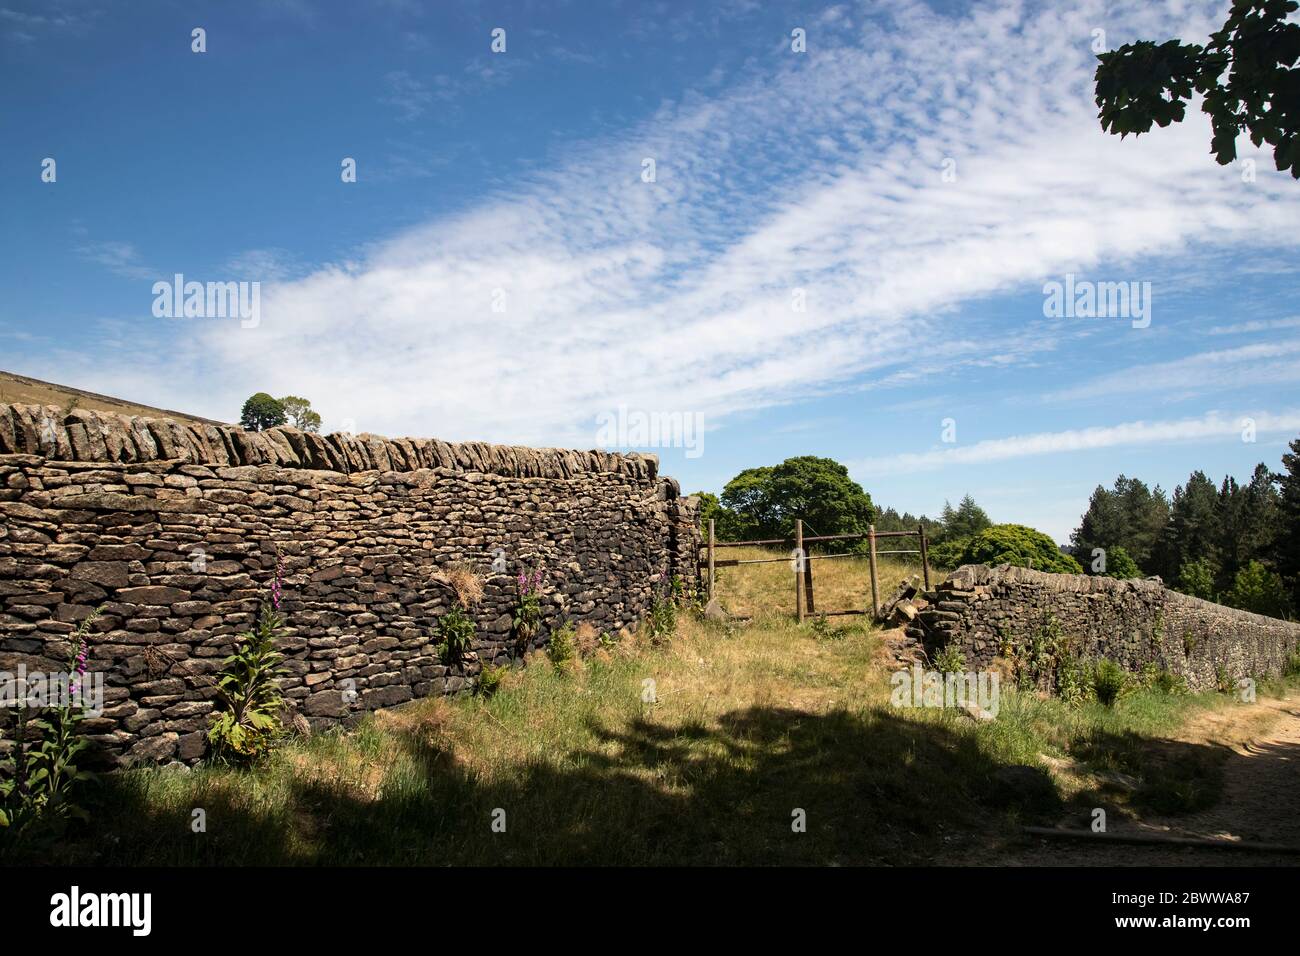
763 503
1238 544
1233 543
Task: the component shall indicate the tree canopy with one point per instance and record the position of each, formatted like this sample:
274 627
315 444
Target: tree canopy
299 413
1146 83
261 412
766 501
1017 545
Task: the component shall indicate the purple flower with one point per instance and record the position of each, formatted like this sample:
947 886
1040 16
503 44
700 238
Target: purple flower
276 585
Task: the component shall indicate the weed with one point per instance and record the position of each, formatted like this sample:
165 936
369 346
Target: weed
455 636
1109 682
560 648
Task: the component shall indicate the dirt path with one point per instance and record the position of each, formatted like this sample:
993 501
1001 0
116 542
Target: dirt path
1260 801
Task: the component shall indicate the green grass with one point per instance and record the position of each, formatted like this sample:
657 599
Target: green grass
748 723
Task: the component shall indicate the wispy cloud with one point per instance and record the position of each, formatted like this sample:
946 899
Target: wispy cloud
264 265
409 95
1214 425
1260 325
120 258
1247 366
680 293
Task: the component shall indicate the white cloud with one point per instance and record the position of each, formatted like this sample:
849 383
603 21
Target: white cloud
120 258
819 172
1248 366
1214 425
1259 325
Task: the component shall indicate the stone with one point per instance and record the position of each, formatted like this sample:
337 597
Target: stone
157 749
152 594
110 574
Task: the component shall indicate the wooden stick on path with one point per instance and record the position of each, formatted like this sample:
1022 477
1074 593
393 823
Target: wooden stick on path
1162 839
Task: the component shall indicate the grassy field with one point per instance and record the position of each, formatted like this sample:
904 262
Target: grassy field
748 724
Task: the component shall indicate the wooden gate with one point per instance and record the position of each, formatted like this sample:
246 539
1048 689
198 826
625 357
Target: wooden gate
804 600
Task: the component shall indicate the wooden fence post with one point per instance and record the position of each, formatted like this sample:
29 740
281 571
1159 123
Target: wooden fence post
712 543
875 588
925 558
798 569
808 584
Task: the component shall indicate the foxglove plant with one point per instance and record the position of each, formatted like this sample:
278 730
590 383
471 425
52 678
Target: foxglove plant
38 778
528 612
247 725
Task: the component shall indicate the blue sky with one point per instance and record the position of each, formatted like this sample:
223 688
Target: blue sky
517 178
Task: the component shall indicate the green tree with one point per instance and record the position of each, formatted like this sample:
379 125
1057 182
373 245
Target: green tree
1286 547
1196 578
1145 83
1256 588
1194 524
967 520
1129 516
890 520
260 412
299 413
1018 545
748 496
727 524
1120 565
819 490
1260 524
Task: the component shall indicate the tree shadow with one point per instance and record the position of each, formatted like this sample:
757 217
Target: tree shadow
761 785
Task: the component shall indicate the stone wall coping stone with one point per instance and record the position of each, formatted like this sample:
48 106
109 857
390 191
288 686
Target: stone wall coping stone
84 439
970 576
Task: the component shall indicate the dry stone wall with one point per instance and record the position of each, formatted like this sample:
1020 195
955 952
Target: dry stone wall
985 611
174 532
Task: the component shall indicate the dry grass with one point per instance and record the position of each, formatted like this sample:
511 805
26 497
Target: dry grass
692 752
765 592
464 581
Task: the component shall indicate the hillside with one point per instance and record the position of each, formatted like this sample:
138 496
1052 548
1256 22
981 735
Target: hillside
19 389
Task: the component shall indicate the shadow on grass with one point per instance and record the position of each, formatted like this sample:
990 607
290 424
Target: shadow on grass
1172 776
873 787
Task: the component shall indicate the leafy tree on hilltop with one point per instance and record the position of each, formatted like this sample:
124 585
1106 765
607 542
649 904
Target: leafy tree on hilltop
748 496
727 525
261 412
1143 83
299 413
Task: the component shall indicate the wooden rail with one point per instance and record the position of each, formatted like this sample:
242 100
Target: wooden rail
804 602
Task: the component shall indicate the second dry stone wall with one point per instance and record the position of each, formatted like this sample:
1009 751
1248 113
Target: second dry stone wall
996 612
